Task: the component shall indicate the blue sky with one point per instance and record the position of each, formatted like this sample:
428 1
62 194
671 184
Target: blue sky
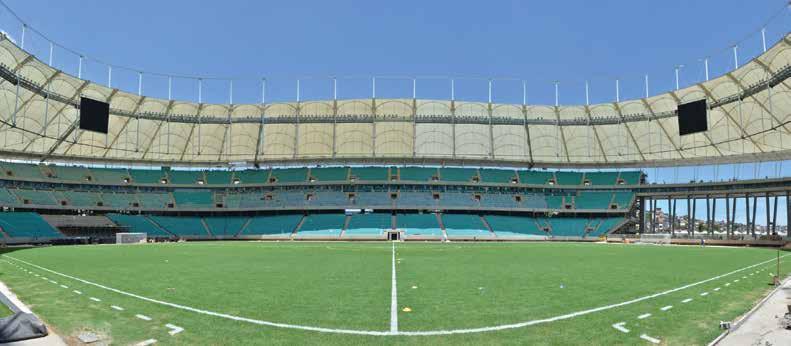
536 41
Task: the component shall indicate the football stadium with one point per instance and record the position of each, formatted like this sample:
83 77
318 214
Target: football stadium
136 218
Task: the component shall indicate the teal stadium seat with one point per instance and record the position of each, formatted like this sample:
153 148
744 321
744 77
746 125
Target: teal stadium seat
110 175
601 178
330 173
181 225
499 176
36 197
193 198
146 176
252 176
290 175
225 226
511 226
323 225
138 224
535 177
568 227
417 173
22 171
218 177
464 225
370 173
70 173
368 224
418 224
27 225
593 200
7 198
272 225
185 177
568 178
631 177
457 174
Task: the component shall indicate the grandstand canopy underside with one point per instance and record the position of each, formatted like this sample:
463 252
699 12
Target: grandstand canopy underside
749 120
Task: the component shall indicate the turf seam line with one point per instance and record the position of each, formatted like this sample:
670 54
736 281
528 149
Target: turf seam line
412 333
394 298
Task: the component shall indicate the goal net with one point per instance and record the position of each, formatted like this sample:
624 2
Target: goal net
130 238
655 238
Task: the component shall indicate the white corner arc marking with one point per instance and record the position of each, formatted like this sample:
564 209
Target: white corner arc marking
387 333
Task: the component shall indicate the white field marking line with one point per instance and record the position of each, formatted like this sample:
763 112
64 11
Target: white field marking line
704 294
146 342
737 280
620 327
95 299
64 286
643 316
394 298
143 317
116 307
174 329
650 339
727 284
665 308
77 292
716 289
387 333
686 300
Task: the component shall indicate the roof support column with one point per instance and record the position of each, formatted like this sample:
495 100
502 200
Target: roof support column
694 207
373 117
491 126
453 117
414 117
296 125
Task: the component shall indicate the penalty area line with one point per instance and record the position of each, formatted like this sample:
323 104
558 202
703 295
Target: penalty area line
389 333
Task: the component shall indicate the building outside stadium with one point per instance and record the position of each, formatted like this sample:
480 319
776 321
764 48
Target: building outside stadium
487 190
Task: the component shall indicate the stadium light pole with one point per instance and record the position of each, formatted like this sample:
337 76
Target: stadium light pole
110 76
587 94
706 67
617 90
763 39
51 51
22 41
735 56
557 96
79 68
645 82
677 69
170 88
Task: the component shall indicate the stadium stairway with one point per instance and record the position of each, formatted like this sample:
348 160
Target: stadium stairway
345 225
206 227
296 229
244 227
159 227
441 226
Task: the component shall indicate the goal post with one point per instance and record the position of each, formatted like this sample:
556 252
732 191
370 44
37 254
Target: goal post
130 238
655 238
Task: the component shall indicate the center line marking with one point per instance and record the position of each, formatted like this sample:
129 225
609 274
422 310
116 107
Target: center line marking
143 317
665 308
650 339
643 316
394 298
523 324
686 300
620 327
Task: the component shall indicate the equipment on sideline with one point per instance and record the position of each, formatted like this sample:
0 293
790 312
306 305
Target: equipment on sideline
130 238
655 238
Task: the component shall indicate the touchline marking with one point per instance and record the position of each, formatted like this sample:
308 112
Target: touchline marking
147 342
643 316
620 327
387 333
174 329
394 298
143 317
686 300
115 307
650 339
665 308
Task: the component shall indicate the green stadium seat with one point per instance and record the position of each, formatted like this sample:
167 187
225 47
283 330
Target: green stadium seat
370 173
418 224
417 173
193 198
138 224
368 224
181 225
35 197
272 225
324 225
185 177
535 177
601 178
110 175
70 173
568 178
593 200
630 177
290 175
252 176
22 170
225 226
218 177
508 226
499 176
27 225
458 174
147 176
330 173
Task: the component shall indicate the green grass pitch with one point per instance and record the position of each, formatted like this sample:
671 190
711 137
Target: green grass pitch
450 287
